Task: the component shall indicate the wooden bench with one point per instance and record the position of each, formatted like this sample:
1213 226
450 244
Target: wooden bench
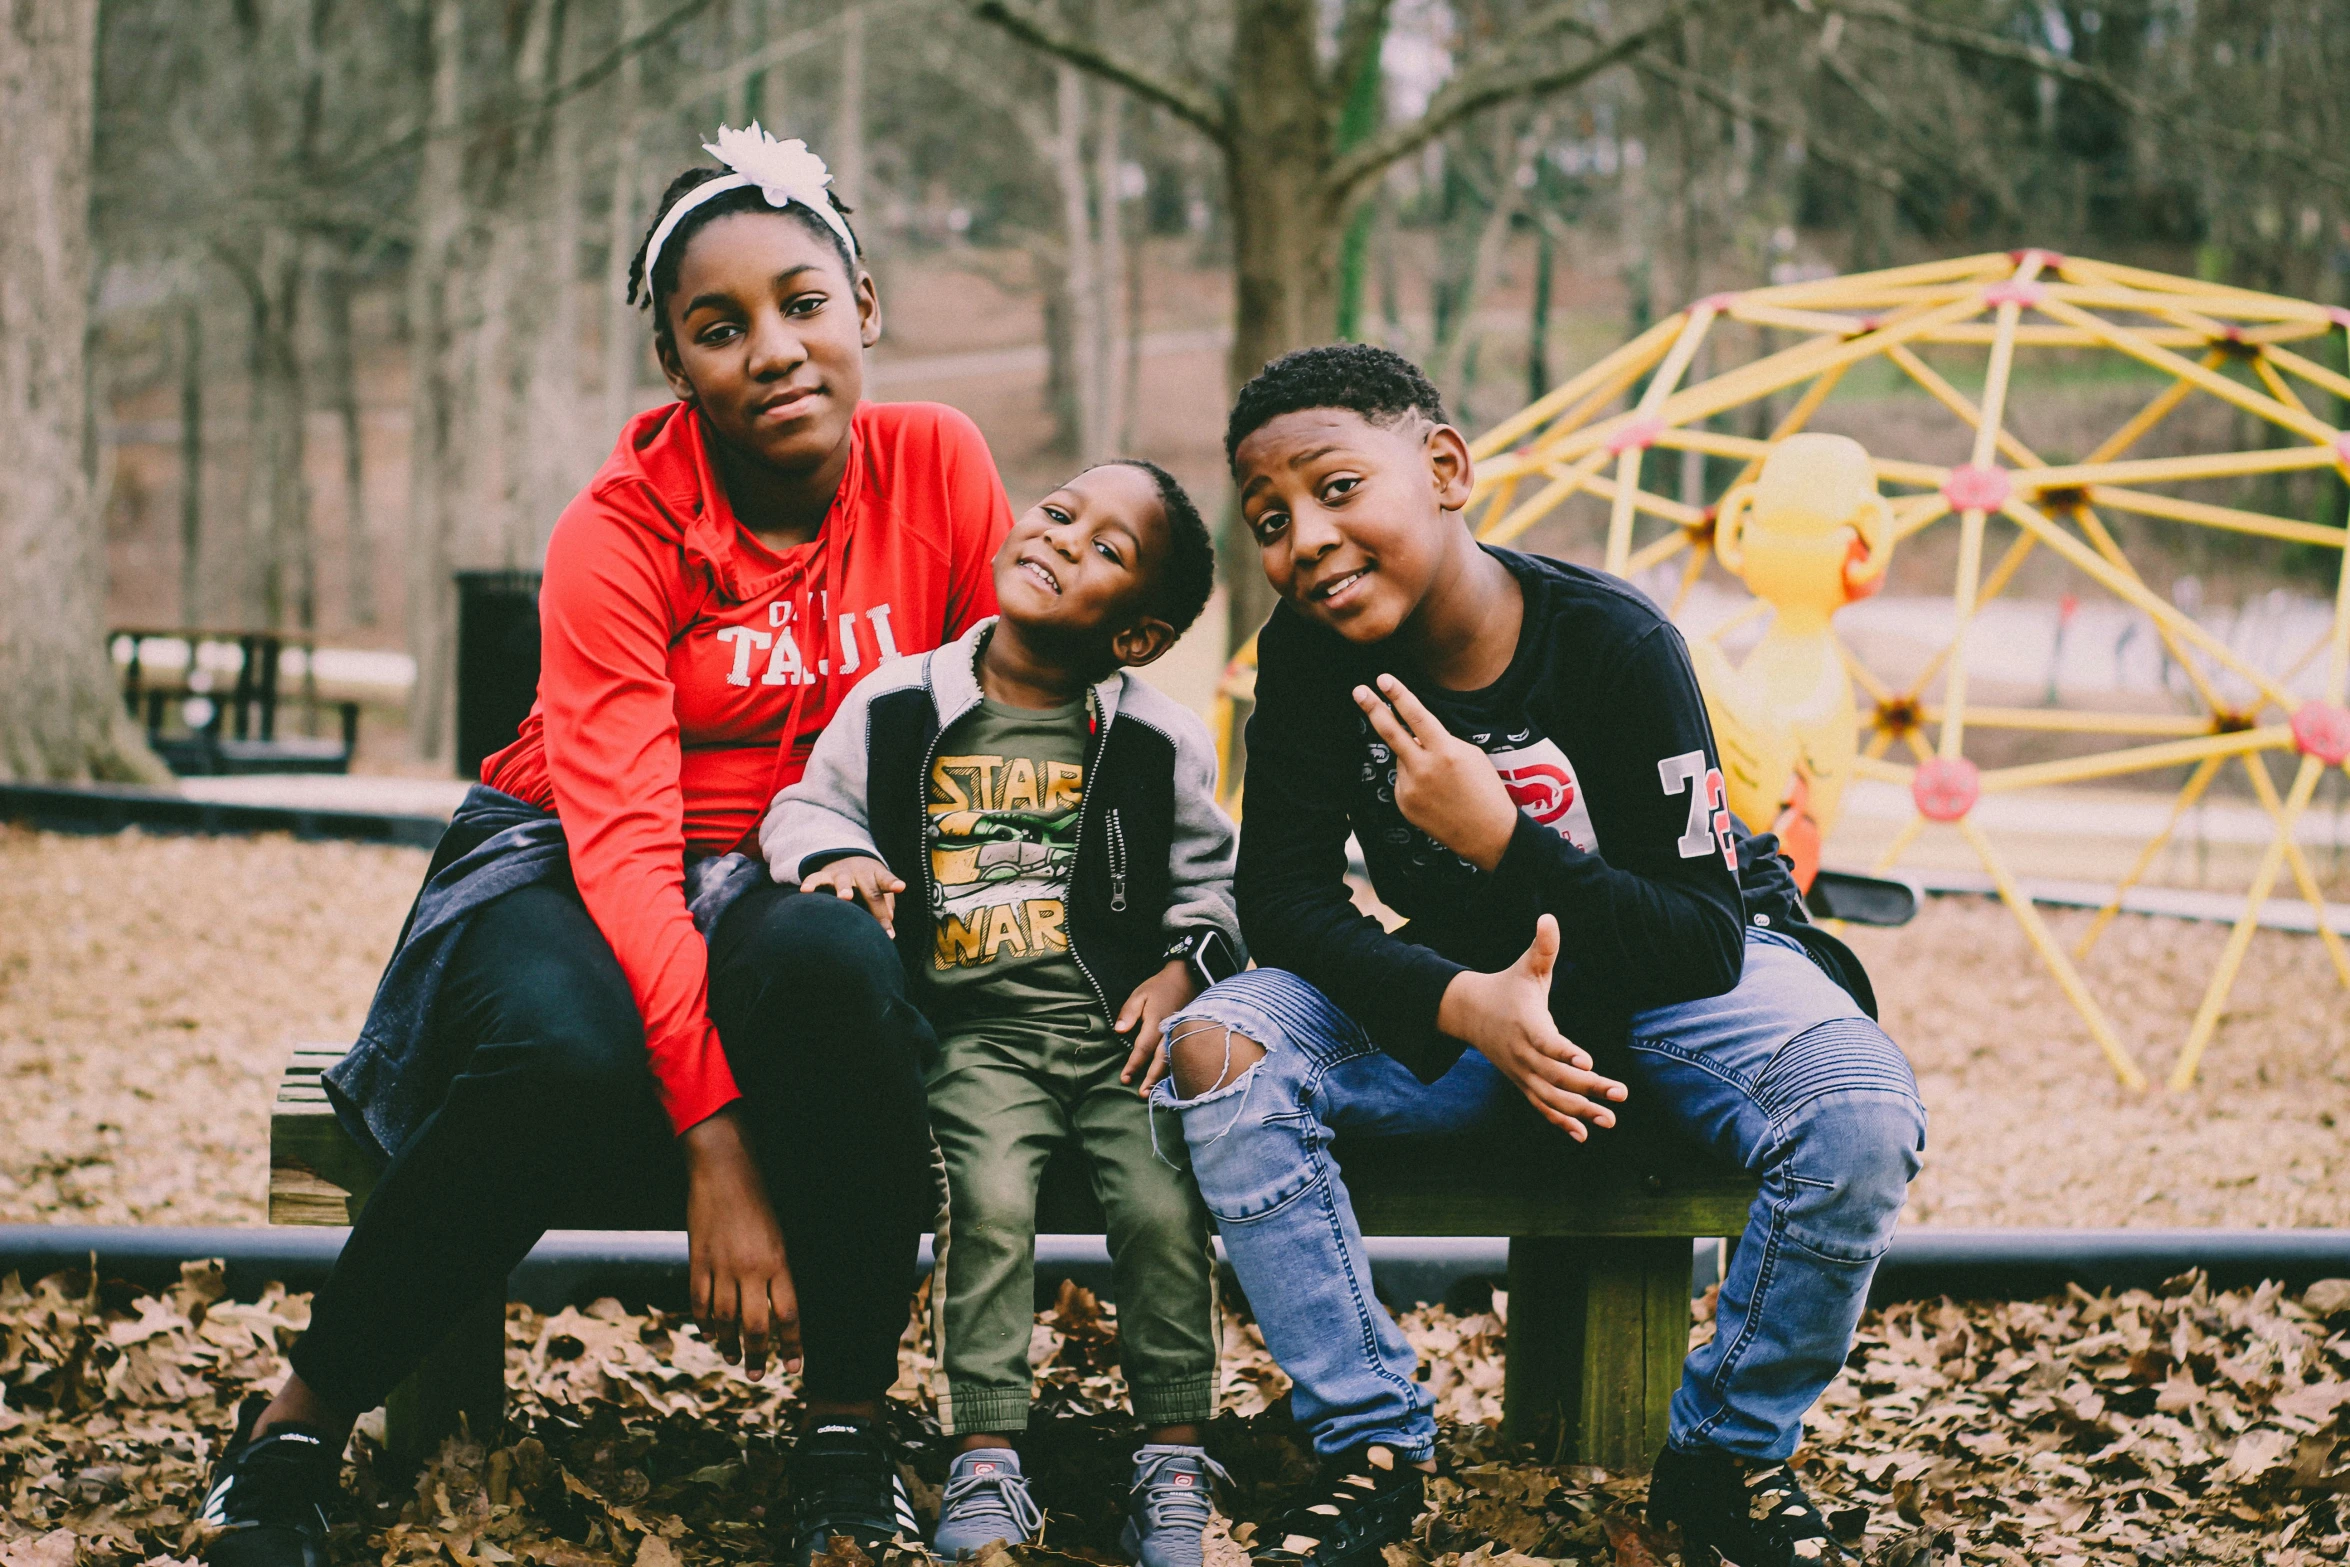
1599 1262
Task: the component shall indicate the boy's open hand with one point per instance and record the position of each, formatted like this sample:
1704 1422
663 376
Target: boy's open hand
1444 786
1506 1018
1156 999
865 879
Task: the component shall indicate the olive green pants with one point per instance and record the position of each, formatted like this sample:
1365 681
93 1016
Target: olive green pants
1003 1098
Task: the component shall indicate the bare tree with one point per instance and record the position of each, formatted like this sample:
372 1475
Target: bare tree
339 368
60 717
848 122
624 347
191 376
1274 112
434 480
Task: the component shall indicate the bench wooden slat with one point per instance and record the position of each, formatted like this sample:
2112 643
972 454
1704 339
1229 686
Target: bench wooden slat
1599 1259
317 1175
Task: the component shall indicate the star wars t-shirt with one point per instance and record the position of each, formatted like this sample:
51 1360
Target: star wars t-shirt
1004 793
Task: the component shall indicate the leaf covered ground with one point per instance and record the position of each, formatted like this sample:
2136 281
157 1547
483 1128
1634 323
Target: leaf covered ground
2180 1426
150 988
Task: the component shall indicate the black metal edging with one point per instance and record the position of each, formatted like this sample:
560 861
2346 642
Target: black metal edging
98 808
644 1266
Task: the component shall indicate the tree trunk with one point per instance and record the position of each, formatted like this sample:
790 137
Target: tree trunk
1513 157
277 523
553 454
432 449
624 342
1109 273
848 122
1061 393
341 369
1691 211
1137 256
60 716
774 100
1538 317
191 368
1285 228
1366 103
1080 266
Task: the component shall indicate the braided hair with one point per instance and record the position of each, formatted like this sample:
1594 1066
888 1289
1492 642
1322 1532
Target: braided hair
653 292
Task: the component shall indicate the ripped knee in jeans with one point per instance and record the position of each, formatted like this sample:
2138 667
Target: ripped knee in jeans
1204 1055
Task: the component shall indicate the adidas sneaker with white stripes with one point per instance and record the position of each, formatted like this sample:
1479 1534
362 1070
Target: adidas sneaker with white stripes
845 1484
267 1504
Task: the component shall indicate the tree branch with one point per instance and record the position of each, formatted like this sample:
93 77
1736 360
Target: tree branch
1496 78
1361 29
1875 101
1022 20
595 71
1865 169
1990 46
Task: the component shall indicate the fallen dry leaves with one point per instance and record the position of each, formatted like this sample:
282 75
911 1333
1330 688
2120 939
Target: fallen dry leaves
2184 1426
150 989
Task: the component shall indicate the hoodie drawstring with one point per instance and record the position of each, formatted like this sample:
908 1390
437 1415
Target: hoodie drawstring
827 569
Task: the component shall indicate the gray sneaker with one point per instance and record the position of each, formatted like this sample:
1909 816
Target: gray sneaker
1169 1508
986 1500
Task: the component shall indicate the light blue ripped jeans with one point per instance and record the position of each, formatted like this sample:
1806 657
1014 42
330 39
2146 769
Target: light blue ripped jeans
1784 1075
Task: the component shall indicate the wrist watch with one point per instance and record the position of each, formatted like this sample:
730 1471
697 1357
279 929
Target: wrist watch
1208 953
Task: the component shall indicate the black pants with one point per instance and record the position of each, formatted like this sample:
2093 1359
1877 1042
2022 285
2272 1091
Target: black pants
553 1122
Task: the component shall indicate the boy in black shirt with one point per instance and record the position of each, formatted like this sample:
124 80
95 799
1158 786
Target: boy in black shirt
1520 748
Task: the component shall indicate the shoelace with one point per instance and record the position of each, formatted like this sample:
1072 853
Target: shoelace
1001 1493
1171 1506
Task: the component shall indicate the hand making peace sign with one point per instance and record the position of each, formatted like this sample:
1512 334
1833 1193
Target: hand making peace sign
1448 789
1444 786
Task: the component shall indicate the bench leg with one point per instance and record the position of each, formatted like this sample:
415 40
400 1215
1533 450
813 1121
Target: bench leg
1597 1333
465 1375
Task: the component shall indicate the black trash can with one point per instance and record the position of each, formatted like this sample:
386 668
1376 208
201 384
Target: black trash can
497 661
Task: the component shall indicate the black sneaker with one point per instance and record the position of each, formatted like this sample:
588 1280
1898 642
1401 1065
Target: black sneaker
1747 1512
267 1505
1365 1501
846 1494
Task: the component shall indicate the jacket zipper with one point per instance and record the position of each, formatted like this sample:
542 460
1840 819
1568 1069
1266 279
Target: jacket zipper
1084 805
1117 863
938 734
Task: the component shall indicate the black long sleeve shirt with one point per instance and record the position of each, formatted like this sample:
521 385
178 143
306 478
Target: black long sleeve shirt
1623 832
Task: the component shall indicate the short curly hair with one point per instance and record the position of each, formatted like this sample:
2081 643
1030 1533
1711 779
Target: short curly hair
1188 575
1378 383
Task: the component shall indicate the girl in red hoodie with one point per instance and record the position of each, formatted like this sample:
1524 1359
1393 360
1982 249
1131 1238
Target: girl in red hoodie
599 1013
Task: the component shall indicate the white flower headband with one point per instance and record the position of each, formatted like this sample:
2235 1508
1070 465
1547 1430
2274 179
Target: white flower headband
783 171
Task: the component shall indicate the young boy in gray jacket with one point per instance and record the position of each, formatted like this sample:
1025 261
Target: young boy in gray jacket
1071 880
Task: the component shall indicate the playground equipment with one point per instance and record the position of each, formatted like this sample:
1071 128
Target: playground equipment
1809 537
2207 339
1593 435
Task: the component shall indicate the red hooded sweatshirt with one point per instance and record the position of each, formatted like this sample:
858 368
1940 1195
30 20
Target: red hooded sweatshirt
676 652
